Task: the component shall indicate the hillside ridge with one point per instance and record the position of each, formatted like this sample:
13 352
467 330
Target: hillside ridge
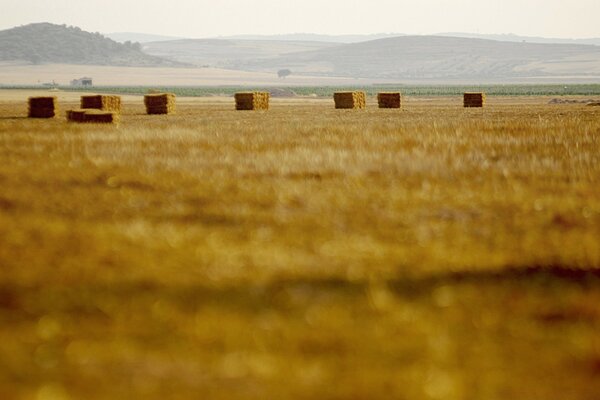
43 43
440 57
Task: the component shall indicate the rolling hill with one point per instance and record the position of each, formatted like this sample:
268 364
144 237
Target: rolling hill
123 37
229 53
398 58
437 57
44 43
312 37
401 58
509 37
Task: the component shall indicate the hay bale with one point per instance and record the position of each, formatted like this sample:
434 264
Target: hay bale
43 107
100 117
252 101
93 116
160 103
389 100
101 102
474 99
76 115
350 100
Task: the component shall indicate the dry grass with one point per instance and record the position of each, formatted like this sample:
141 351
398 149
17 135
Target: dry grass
307 252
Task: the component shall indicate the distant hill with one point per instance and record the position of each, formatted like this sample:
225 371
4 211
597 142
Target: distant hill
401 58
437 57
229 53
123 37
312 37
48 43
509 37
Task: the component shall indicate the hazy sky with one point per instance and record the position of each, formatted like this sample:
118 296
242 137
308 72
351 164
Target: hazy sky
205 18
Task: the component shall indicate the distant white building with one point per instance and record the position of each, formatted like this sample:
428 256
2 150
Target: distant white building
82 82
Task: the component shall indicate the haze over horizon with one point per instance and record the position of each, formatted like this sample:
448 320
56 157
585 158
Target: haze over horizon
201 18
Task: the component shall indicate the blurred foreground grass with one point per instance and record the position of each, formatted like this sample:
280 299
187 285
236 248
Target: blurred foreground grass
433 253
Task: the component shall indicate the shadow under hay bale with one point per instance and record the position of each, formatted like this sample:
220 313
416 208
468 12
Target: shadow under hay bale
101 102
252 101
389 100
93 116
43 107
474 99
350 100
161 103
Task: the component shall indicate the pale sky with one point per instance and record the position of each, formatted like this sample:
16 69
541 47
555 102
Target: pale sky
208 18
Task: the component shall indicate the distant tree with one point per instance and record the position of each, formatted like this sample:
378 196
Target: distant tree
283 73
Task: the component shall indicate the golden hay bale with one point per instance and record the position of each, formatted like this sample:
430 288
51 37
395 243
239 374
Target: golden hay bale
161 103
43 107
252 100
350 100
160 110
93 116
101 117
76 115
389 100
474 99
101 102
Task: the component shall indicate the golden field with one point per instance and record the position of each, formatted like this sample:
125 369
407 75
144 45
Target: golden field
301 253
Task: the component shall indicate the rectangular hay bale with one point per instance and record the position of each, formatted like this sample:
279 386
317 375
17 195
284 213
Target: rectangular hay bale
43 107
155 110
42 113
350 100
101 102
474 99
100 117
76 115
160 103
93 116
252 100
389 99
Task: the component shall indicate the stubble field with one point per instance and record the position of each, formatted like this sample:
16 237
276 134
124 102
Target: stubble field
304 252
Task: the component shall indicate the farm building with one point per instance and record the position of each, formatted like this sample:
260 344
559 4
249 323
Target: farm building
82 82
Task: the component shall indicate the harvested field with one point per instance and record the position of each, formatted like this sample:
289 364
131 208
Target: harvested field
303 253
